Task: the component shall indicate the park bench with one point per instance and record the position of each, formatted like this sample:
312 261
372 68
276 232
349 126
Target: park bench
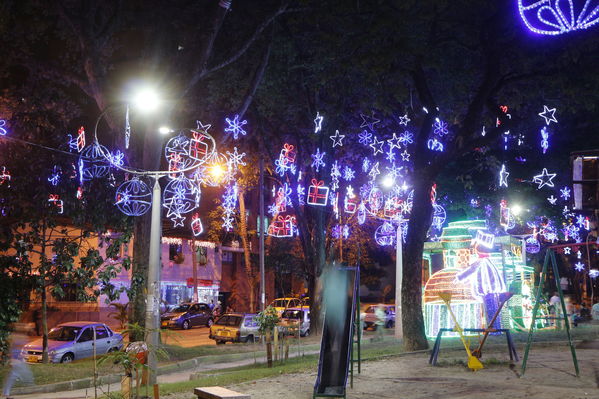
218 393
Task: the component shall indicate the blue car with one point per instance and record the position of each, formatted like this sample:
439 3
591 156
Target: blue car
188 315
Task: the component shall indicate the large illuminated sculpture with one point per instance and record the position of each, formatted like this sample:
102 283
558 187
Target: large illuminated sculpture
455 265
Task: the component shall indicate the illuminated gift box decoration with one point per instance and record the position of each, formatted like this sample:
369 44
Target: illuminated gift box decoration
318 193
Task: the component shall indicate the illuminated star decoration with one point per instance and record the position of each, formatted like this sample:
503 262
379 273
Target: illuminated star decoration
544 179
236 159
503 175
369 121
544 139
593 273
236 127
440 127
318 122
567 250
365 137
548 115
552 200
317 161
394 142
546 17
565 193
348 173
377 146
579 266
337 139
404 120
405 156
406 138
201 127
2 128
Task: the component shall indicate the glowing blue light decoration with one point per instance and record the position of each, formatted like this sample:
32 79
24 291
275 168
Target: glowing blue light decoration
236 127
390 155
435 145
544 139
503 175
593 273
565 193
127 128
2 127
335 174
317 161
439 216
394 142
348 173
440 127
374 172
532 245
547 17
181 196
579 267
406 138
318 122
229 204
117 158
385 234
544 179
133 197
405 156
92 163
552 200
365 165
548 114
404 120
361 213
54 178
377 146
337 139
365 137
301 194
236 159
369 121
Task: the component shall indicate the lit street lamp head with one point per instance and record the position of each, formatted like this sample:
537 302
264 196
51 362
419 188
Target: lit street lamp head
146 100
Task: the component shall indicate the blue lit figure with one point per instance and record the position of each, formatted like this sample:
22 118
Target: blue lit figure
544 139
406 138
565 193
435 145
348 173
317 161
547 17
54 178
365 137
318 122
236 126
2 127
133 197
440 127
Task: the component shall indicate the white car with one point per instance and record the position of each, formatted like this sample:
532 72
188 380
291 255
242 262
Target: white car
369 316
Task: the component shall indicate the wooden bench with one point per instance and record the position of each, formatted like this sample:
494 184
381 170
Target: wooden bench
218 393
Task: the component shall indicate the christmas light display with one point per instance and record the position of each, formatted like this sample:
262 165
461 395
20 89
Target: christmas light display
547 17
593 273
196 225
236 159
317 160
54 178
377 146
180 196
394 142
77 143
565 193
229 204
2 127
301 194
435 145
5 177
318 122
365 165
133 197
127 128
503 175
567 250
548 114
369 121
361 213
337 139
116 158
385 234
365 137
532 245
544 139
318 193
552 200
348 173
335 174
405 156
544 179
55 200
286 160
404 120
406 138
235 126
440 127
579 267
374 172
390 156
92 163
283 226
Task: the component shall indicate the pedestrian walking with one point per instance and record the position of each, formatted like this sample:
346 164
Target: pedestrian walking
380 320
19 370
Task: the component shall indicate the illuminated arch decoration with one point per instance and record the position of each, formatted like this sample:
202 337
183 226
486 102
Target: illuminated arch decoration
555 17
133 197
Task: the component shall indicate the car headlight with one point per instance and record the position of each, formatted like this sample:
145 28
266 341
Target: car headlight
52 353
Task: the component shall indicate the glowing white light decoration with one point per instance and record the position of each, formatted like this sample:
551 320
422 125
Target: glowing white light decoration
555 17
317 160
579 267
369 121
394 142
235 126
377 146
318 193
405 156
133 197
406 138
385 234
196 225
127 128
565 193
2 127
236 159
318 122
552 200
548 114
365 137
181 196
404 120
544 179
435 145
544 139
440 127
503 175
337 139
92 163
593 273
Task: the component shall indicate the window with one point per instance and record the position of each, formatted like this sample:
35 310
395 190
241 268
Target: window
250 321
204 308
173 251
101 332
86 335
194 308
227 257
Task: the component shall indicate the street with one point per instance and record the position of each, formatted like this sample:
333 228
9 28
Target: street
187 338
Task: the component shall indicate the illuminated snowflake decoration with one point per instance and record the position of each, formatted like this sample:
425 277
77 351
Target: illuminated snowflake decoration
552 200
301 194
565 193
335 174
406 138
116 158
394 171
548 114
348 173
579 266
440 127
229 204
236 159
547 17
365 165
235 126
317 161
544 139
365 137
54 178
390 156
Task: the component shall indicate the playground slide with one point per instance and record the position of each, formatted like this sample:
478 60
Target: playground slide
335 348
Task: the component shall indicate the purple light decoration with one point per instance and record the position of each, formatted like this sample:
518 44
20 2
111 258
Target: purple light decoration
235 126
440 127
565 193
54 178
317 161
544 139
546 17
579 266
532 245
2 127
406 138
348 173
365 137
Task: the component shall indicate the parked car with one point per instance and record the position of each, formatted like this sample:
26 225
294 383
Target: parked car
290 318
74 341
188 315
280 304
235 327
369 316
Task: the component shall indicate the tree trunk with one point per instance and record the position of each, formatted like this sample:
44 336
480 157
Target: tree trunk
411 293
268 348
243 232
44 326
141 253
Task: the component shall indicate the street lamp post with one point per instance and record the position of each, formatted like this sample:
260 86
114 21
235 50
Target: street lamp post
398 281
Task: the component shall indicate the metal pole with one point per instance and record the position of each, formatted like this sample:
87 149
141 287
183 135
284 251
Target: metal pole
153 297
261 238
398 281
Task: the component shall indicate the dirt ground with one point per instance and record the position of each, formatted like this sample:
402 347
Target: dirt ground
550 374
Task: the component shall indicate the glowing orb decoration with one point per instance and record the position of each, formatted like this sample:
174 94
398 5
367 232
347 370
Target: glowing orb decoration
555 17
439 216
532 245
133 197
180 196
92 163
385 234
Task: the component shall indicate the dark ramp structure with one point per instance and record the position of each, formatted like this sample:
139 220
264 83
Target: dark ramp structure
340 304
